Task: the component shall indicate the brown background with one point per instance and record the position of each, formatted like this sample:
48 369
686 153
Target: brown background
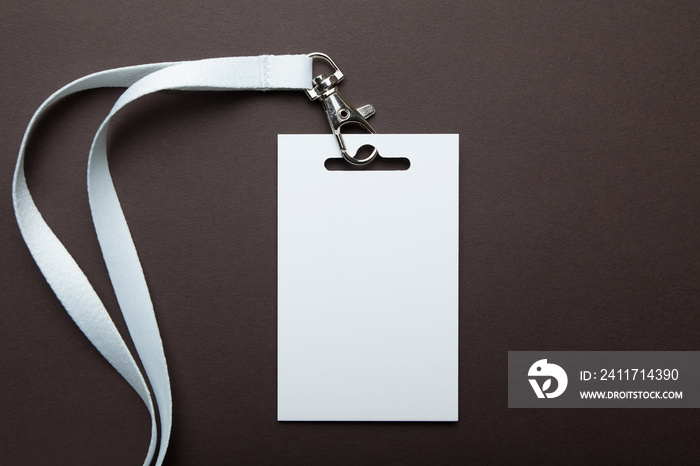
580 217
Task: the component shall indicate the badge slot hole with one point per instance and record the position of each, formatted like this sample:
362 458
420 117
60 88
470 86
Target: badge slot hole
378 164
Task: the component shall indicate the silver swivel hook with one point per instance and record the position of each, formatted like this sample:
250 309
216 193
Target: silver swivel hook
338 110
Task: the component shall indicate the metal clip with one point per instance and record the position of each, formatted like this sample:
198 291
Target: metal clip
338 110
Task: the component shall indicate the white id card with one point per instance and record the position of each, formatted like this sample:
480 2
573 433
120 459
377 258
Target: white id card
368 281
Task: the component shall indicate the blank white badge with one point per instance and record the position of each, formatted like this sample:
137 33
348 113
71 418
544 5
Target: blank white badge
368 280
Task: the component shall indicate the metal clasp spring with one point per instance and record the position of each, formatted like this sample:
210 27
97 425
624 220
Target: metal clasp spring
338 110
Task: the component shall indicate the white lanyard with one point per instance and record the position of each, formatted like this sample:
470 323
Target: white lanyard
65 277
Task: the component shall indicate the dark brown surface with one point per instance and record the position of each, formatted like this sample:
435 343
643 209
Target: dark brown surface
579 129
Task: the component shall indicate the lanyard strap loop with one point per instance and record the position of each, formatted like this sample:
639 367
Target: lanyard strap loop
63 274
